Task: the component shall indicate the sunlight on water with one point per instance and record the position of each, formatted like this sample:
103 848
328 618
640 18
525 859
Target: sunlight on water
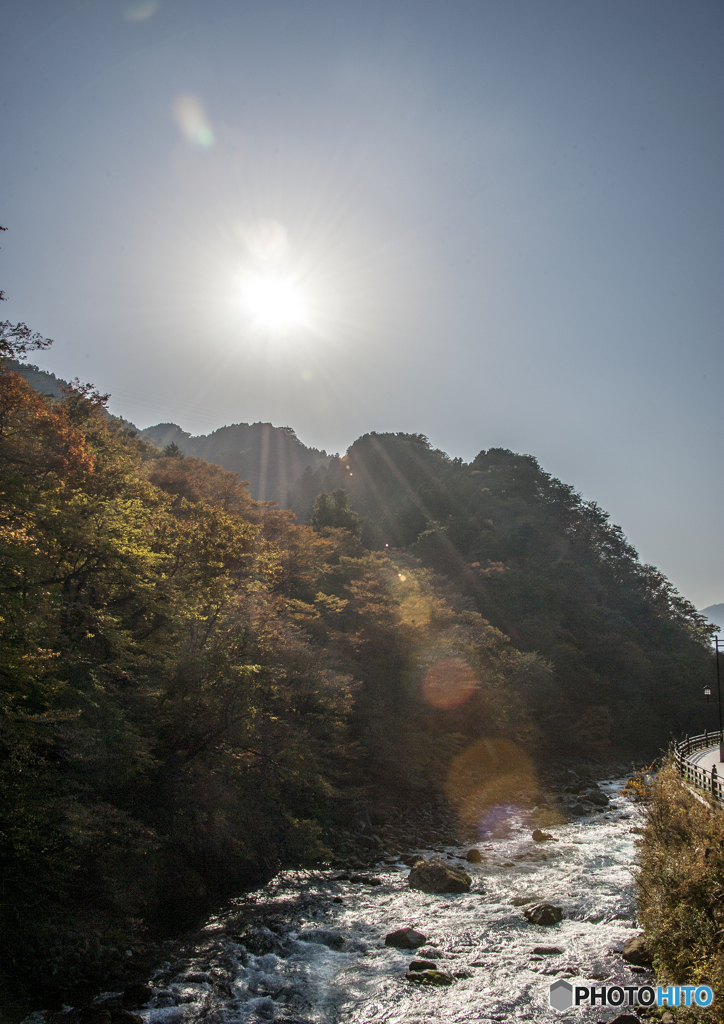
305 957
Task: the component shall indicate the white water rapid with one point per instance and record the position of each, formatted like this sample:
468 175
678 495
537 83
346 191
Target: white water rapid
316 951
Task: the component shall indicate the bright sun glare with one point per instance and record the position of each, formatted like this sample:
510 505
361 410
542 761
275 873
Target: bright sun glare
274 302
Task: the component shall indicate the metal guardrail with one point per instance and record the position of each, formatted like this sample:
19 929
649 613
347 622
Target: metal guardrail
711 781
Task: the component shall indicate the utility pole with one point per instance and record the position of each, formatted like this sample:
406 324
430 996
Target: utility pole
718 693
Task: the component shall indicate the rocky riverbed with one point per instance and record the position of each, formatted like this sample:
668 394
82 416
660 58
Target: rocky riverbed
310 946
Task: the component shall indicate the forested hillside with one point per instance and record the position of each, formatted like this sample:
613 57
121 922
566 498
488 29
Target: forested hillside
627 652
44 382
271 459
195 687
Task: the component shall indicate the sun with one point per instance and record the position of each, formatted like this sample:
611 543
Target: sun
275 303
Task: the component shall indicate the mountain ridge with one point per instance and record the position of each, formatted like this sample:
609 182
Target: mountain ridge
271 459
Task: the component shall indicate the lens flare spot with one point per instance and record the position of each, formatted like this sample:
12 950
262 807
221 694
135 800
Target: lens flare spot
191 119
491 774
142 10
497 822
449 683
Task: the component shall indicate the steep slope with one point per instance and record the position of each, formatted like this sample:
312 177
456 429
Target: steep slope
629 654
715 613
270 458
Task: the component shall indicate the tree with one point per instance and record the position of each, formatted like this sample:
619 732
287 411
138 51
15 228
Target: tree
334 510
16 340
172 451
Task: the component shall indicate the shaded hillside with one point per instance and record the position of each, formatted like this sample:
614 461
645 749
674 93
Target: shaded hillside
715 613
46 383
50 386
629 654
270 458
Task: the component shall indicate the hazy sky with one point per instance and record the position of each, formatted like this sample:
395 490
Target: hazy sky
503 220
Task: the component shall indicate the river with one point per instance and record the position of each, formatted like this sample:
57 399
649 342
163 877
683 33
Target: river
315 951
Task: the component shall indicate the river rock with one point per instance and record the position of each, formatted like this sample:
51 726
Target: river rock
322 937
541 837
429 977
121 1016
577 787
474 856
94 1015
543 913
436 876
405 938
597 797
109 1014
411 859
635 951
136 995
422 965
547 950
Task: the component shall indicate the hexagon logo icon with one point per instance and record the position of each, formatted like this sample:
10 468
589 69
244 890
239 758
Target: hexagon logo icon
561 995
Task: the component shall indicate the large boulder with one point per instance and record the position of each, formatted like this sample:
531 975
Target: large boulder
597 797
429 977
405 938
635 951
543 913
436 876
540 836
136 995
577 810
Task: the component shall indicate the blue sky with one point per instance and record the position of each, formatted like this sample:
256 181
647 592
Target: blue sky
505 220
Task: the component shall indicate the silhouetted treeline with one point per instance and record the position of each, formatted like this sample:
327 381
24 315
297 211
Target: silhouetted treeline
269 458
629 655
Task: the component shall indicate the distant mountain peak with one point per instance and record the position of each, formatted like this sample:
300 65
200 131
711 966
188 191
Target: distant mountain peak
715 613
270 458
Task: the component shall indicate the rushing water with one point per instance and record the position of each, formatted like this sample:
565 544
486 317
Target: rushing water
316 951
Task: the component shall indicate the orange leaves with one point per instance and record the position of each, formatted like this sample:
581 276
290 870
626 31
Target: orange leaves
196 480
36 438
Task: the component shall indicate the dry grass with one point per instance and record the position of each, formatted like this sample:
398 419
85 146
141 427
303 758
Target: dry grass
681 888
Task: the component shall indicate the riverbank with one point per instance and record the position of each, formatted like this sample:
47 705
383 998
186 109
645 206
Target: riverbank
681 885
309 946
